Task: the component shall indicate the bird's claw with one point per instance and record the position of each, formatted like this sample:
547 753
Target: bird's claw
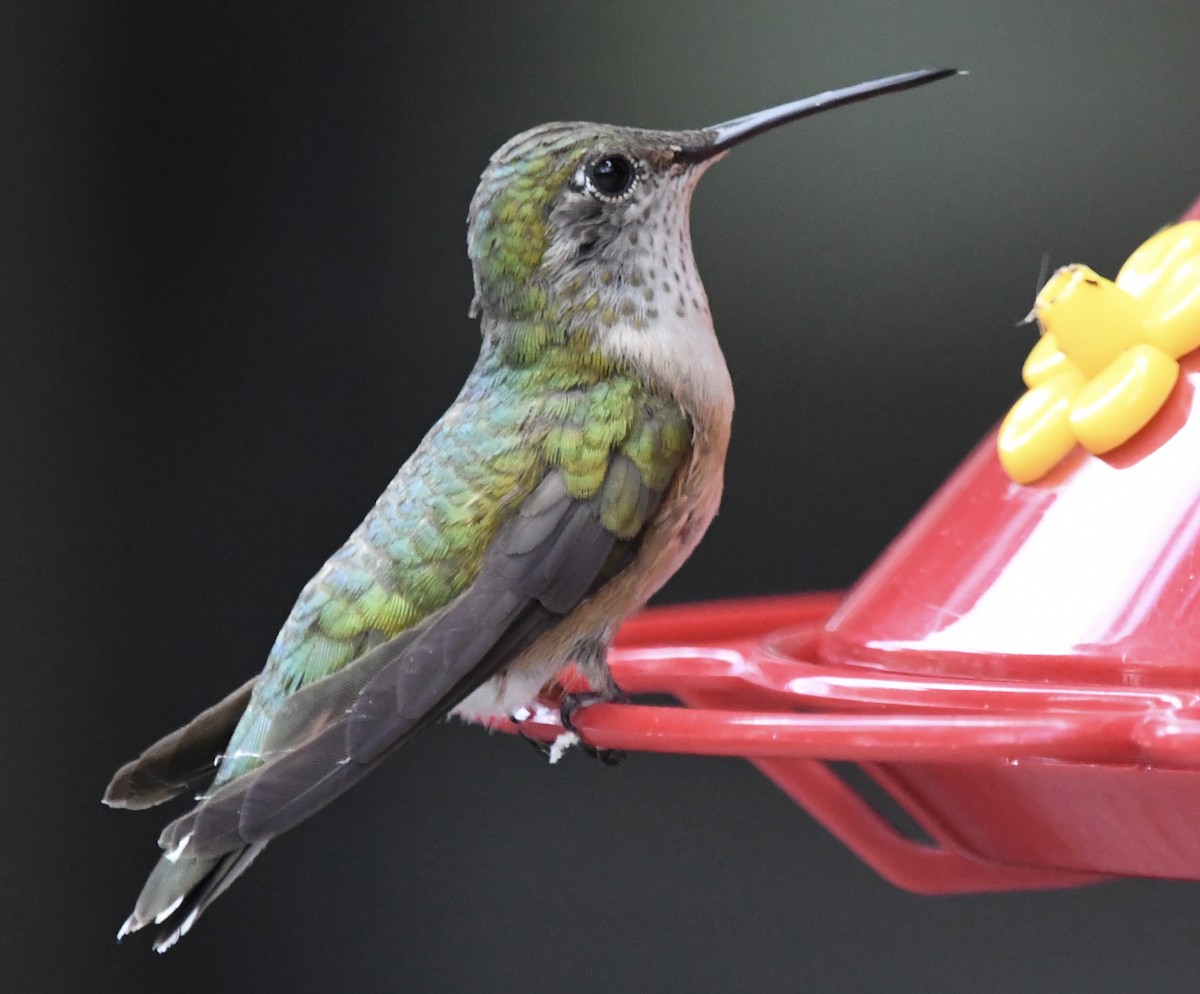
542 747
518 719
571 703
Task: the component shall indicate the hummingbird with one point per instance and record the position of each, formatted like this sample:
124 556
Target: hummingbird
576 471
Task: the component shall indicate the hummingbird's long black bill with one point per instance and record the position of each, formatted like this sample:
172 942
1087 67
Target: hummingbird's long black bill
725 136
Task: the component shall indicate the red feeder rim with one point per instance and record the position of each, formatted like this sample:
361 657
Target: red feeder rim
744 696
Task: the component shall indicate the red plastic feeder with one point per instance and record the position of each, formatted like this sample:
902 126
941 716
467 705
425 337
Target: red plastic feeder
1020 672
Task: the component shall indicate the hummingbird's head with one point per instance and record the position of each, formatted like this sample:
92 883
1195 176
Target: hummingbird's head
583 219
586 225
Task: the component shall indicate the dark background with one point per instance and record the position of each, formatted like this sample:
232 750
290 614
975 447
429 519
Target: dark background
233 295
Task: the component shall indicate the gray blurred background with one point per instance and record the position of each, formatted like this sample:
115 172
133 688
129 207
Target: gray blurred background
233 296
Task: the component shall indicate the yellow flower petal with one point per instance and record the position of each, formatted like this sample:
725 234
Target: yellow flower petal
1046 361
1037 434
1158 254
1173 312
1113 406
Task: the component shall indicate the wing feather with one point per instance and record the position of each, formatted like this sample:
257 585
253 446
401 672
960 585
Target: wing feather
180 761
335 730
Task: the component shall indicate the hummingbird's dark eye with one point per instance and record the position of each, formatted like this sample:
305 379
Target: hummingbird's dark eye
611 177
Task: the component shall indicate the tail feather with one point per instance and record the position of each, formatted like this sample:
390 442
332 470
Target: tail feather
180 761
178 893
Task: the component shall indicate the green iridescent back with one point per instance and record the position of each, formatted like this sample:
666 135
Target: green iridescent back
523 412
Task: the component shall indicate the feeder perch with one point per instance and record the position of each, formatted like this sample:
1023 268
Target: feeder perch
1020 670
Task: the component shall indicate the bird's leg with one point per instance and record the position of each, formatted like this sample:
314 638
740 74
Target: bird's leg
591 658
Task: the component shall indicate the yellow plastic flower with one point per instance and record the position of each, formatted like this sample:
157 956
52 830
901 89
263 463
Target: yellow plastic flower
1106 361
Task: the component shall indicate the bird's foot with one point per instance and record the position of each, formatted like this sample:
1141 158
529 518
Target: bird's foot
570 705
